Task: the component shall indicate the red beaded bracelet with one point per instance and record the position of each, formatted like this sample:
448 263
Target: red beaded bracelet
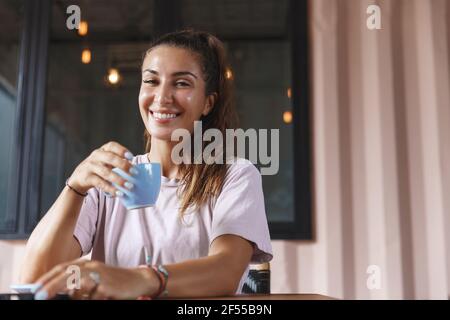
162 283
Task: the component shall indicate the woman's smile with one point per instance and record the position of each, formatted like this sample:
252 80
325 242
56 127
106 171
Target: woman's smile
163 116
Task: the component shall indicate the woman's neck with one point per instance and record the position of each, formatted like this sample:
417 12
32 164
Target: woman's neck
161 151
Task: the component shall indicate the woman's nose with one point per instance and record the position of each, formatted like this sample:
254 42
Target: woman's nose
163 95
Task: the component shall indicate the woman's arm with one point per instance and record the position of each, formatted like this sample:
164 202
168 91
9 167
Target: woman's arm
52 241
215 275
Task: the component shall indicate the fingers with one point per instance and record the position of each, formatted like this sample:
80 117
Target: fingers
106 173
118 149
103 160
86 290
52 273
112 160
61 280
89 289
95 170
103 184
50 283
99 294
57 284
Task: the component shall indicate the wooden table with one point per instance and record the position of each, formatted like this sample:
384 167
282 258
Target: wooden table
275 296
302 296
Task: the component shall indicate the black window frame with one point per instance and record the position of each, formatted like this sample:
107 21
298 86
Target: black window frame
29 120
30 117
301 228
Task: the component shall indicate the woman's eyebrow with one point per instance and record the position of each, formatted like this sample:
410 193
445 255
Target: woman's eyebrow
175 74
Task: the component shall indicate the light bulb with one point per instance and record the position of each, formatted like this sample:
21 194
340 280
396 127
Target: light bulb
113 76
287 117
86 56
83 28
228 74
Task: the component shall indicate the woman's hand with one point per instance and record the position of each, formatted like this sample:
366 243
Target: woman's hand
96 281
96 170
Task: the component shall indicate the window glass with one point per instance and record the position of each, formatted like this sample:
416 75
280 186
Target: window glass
11 17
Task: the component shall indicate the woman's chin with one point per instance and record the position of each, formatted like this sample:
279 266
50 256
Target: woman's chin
163 136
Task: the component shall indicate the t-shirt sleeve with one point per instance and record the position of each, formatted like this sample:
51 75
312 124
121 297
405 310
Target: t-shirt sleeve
87 220
239 210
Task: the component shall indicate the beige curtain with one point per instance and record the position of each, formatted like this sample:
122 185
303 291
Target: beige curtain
381 139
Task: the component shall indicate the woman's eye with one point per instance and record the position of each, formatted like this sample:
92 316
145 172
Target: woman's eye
149 81
181 84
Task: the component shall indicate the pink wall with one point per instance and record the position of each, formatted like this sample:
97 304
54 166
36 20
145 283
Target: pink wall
11 254
381 109
381 118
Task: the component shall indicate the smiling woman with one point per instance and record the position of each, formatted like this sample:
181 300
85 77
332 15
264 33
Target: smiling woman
184 74
209 222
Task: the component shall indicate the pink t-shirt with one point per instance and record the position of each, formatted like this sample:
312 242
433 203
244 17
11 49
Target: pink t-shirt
128 238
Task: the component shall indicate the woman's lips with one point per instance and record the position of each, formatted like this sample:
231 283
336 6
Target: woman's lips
161 117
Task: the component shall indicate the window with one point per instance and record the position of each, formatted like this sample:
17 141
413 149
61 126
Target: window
11 15
65 108
267 45
83 109
23 69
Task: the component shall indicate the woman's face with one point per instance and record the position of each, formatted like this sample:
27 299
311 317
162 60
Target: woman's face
172 91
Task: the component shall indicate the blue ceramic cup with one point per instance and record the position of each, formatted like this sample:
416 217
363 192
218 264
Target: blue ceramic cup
147 183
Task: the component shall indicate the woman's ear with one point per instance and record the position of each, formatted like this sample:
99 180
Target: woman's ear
210 101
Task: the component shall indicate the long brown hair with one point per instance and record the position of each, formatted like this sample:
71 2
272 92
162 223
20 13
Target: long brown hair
202 183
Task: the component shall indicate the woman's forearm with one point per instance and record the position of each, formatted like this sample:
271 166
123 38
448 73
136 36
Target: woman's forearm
203 277
52 241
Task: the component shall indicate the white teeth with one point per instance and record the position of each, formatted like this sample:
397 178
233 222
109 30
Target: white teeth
164 115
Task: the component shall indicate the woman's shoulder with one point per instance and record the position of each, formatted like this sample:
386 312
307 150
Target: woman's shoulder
241 167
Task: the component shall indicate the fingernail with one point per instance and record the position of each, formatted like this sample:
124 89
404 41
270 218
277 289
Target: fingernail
128 185
129 155
133 171
36 287
41 295
119 193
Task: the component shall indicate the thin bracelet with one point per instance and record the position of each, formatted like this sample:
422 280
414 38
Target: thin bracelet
73 189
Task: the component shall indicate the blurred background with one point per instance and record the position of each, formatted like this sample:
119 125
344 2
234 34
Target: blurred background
364 120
